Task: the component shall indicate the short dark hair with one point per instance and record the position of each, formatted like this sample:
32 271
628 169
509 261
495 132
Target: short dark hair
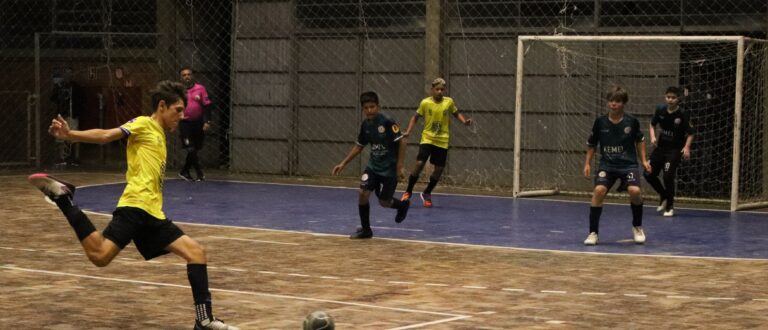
674 90
369 96
617 93
168 91
186 68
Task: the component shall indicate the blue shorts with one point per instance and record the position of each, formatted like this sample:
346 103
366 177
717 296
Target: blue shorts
628 177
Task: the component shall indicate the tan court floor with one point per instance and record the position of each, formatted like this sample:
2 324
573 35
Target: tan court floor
264 279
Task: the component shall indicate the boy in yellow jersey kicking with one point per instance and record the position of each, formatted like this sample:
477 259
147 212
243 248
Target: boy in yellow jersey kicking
139 214
434 139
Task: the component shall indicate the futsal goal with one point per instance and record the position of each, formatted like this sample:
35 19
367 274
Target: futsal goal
561 83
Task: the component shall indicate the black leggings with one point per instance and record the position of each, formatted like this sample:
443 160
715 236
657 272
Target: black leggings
666 161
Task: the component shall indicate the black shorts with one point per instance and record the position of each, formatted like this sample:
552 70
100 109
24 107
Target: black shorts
383 186
628 177
666 160
437 156
151 235
192 134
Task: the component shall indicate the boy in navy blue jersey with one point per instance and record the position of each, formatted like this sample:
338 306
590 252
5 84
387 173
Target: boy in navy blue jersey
620 140
674 143
384 166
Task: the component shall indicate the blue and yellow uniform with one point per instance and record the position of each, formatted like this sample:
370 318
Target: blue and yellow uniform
146 166
139 214
437 119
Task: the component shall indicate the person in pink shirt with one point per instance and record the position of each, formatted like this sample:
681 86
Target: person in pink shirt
197 120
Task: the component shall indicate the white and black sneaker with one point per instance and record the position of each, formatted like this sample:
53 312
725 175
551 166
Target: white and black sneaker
591 239
53 188
638 235
214 324
662 206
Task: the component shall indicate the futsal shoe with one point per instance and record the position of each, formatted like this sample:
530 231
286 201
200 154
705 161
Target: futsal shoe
638 235
402 211
52 188
591 239
427 199
186 176
214 324
362 233
406 196
200 178
670 213
662 206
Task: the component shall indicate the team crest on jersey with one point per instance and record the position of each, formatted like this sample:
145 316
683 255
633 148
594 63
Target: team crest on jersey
627 130
601 174
364 177
395 128
381 129
677 121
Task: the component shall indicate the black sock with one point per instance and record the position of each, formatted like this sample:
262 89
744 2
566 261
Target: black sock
198 280
637 214
431 185
365 215
76 218
411 182
594 218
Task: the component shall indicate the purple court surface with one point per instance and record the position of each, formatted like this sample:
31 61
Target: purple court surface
488 221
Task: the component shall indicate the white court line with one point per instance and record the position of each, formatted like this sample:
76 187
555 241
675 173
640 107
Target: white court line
594 293
720 298
758 299
396 228
474 287
451 317
252 240
554 291
436 284
494 247
513 290
678 297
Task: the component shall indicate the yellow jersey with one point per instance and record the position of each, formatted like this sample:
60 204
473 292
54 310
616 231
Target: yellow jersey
437 118
146 166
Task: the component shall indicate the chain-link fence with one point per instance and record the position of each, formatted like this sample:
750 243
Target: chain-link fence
284 76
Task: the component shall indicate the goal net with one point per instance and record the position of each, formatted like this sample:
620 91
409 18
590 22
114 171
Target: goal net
561 86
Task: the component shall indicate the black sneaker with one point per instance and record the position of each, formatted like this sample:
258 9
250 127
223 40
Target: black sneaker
186 176
200 178
52 188
214 324
362 233
402 211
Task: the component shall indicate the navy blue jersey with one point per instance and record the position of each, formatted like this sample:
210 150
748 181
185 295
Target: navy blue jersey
674 127
617 142
383 134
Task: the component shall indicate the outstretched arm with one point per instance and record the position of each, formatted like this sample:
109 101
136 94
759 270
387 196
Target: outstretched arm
60 129
462 119
356 150
411 124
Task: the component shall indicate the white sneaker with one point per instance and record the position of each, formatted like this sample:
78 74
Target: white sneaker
662 206
591 239
638 235
214 324
669 213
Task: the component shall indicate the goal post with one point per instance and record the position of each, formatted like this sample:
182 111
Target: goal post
560 86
